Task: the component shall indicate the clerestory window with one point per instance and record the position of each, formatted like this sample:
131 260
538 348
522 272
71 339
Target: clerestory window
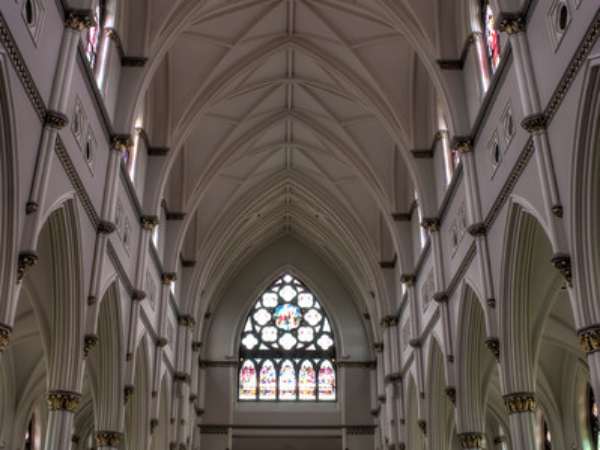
492 40
287 348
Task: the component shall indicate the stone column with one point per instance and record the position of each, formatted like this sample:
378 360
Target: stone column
108 440
521 410
589 338
61 413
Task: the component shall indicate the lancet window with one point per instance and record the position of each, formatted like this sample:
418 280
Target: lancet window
491 37
287 348
95 33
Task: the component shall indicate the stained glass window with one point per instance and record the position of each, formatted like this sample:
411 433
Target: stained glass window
492 40
95 33
547 437
287 348
593 419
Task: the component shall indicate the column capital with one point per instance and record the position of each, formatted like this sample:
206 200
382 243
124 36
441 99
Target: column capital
55 119
494 345
5 335
106 438
462 144
78 19
534 122
520 402
63 400
470 440
562 263
121 142
378 347
26 262
408 279
511 23
589 339
128 393
168 278
388 321
451 393
187 320
89 342
149 222
431 224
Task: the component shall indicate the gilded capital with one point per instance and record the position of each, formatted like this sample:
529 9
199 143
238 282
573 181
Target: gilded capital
431 224
494 345
535 122
519 402
55 119
462 144
149 222
408 279
89 342
153 424
169 277
63 401
378 347
477 229
105 227
5 334
511 23
562 263
423 426
78 19
470 440
138 296
388 321
590 339
440 297
196 346
128 393
108 438
121 142
187 321
451 393
26 262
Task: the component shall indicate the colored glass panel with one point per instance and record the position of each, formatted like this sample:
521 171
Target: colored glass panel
287 341
307 382
93 35
262 316
248 381
287 293
325 342
491 36
270 300
306 334
269 334
287 381
268 381
326 381
287 317
250 341
305 300
313 317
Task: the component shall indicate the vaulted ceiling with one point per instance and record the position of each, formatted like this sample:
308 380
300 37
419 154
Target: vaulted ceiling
293 117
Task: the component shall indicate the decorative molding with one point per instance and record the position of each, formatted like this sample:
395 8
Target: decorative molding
511 23
78 19
408 279
133 61
161 342
5 335
176 216
149 222
187 321
424 153
121 142
31 207
451 393
108 438
158 151
389 321
89 342
520 402
138 295
25 263
73 176
55 119
459 64
557 211
415 343
378 347
388 264
423 426
440 297
360 430
477 229
471 440
63 401
193 398
494 345
182 377
562 263
402 217
462 144
196 346
213 429
589 339
534 122
105 227
187 262
393 378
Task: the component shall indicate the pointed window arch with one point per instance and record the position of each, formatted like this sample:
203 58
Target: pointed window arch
491 37
287 347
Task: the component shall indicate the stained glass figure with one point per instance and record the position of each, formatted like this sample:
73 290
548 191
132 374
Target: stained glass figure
307 382
287 381
492 39
286 326
248 381
94 34
268 381
326 381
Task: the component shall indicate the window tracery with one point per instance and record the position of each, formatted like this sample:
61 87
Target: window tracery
287 349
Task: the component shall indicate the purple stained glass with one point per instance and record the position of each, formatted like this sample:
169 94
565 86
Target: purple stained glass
248 381
287 317
326 381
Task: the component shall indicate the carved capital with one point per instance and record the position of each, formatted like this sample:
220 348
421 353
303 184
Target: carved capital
193 398
557 211
562 263
590 339
440 297
199 412
26 262
89 342
511 23
5 334
79 19
108 438
161 342
138 296
105 227
187 321
451 393
128 393
182 377
393 378
494 345
470 440
431 224
121 142
408 279
196 346
378 347
415 343
169 277
63 401
153 425
423 426
149 222
534 122
55 119
477 229
31 207
519 402
462 144
388 321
